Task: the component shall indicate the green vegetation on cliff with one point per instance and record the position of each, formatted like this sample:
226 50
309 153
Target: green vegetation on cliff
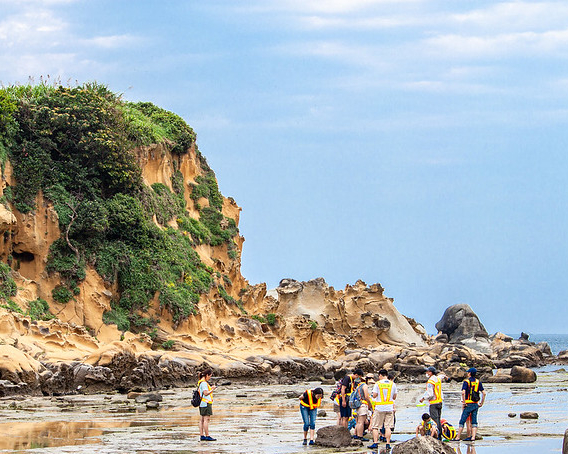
76 145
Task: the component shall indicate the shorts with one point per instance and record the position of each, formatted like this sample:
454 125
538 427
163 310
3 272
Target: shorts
345 412
382 417
206 411
363 410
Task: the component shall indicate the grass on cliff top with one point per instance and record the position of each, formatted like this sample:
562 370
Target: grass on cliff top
76 145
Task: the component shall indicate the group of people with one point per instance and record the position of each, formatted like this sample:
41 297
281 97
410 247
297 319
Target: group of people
371 410
374 409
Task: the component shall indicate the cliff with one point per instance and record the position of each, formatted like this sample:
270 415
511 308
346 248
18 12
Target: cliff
117 249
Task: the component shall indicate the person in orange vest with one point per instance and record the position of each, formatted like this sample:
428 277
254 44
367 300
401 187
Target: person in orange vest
384 395
206 405
472 397
434 396
309 403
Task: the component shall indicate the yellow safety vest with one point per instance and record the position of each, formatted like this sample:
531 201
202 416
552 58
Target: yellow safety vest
437 382
311 405
209 397
384 398
472 386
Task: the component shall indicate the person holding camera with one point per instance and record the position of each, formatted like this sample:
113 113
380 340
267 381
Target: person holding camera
206 405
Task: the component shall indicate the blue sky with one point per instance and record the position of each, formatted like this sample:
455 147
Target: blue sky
416 143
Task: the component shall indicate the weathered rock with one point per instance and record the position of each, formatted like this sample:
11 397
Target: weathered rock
565 444
460 322
499 378
511 415
422 445
333 437
522 375
529 415
148 397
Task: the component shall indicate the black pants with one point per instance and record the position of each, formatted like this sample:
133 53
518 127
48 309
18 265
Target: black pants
436 415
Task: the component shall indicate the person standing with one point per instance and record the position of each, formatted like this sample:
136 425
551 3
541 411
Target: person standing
363 411
434 397
206 405
472 397
346 390
384 395
309 403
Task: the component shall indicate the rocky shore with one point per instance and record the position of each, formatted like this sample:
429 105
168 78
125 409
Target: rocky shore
462 342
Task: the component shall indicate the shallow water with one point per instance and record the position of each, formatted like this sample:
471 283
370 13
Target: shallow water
266 421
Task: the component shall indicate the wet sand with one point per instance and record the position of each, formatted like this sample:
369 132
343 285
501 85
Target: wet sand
266 421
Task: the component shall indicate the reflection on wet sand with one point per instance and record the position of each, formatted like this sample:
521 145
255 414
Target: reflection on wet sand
46 434
469 450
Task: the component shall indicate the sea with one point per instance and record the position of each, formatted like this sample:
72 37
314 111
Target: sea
557 342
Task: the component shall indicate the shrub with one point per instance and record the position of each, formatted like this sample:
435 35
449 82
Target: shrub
61 294
38 309
8 287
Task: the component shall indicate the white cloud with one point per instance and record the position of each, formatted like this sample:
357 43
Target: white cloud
531 44
516 16
113 41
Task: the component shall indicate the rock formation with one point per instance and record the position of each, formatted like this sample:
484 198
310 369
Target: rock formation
79 310
422 445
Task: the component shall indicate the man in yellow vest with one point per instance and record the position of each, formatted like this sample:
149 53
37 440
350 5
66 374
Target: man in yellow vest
434 397
384 395
472 398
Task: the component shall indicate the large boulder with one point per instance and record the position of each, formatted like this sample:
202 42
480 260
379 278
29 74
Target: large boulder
459 322
333 437
522 375
422 445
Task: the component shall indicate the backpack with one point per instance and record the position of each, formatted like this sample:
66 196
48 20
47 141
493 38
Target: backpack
355 398
474 390
337 391
196 398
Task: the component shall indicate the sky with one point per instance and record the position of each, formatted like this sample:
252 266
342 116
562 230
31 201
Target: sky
420 144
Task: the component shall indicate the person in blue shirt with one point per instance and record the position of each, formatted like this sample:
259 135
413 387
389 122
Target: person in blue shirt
472 397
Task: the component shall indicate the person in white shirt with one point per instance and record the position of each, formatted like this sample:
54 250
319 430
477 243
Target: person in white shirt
384 395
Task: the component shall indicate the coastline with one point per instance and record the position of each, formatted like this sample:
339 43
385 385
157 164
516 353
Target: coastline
265 419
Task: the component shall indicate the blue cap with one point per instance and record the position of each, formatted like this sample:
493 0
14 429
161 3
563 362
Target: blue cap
472 370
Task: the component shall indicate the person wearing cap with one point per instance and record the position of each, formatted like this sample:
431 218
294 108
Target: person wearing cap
472 397
347 386
434 396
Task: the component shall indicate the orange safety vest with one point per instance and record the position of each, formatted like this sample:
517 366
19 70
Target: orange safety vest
209 397
384 399
437 382
311 405
471 386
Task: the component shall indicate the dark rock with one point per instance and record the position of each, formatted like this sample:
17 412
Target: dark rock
512 415
460 322
442 337
524 336
152 405
529 415
422 445
148 397
523 375
565 444
322 414
333 437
